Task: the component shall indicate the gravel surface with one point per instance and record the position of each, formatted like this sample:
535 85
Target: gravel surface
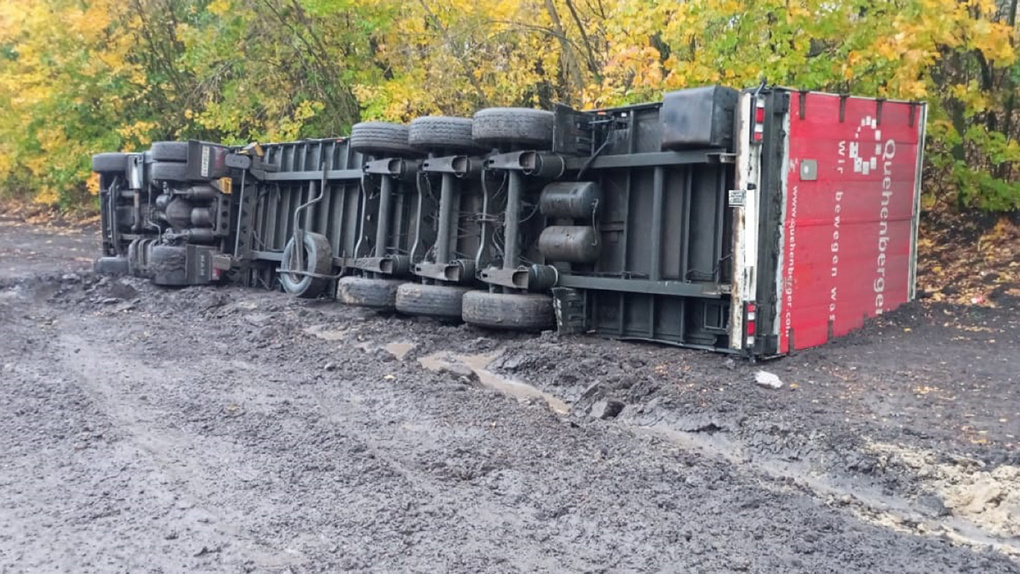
233 430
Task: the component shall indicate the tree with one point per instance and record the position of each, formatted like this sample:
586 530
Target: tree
84 76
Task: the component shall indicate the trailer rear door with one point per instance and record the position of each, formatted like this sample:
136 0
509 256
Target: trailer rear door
850 216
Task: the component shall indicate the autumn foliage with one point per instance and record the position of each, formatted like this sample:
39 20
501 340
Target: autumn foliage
82 76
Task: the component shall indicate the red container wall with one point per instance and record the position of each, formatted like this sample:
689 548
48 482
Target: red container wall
848 233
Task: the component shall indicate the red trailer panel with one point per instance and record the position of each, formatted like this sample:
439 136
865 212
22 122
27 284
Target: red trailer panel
851 213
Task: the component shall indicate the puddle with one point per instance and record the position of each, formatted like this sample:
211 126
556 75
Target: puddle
477 363
876 507
399 349
990 499
511 387
321 332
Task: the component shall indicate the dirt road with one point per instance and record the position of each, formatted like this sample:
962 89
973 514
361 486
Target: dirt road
231 430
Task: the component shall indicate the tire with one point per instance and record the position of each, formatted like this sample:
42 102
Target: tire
495 127
364 292
169 171
381 139
168 264
318 259
170 151
110 163
510 311
443 301
440 132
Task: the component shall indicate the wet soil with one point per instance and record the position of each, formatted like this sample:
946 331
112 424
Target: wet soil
233 430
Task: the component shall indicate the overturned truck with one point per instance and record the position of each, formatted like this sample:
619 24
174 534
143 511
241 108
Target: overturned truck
754 222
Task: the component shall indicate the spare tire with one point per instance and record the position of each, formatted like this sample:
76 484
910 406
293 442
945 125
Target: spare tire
110 162
442 301
497 127
318 259
170 151
381 139
364 292
441 132
511 311
169 171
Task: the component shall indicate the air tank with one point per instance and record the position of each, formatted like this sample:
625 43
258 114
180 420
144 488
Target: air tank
571 199
570 243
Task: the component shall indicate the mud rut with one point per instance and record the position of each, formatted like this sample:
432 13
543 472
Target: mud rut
225 430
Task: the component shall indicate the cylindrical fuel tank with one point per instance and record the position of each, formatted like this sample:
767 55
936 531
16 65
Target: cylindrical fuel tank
201 217
199 193
199 235
570 243
573 199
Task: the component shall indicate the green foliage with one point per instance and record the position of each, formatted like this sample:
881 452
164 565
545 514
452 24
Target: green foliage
82 76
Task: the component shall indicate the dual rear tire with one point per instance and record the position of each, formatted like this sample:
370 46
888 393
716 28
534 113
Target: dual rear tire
509 311
505 311
365 292
440 301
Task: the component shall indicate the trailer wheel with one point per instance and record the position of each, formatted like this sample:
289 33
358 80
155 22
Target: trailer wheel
170 151
169 171
381 139
318 258
511 311
364 292
110 163
441 132
513 126
444 301
168 264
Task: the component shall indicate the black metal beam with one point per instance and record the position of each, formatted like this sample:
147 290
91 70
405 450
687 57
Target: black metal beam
268 255
331 175
704 290
646 159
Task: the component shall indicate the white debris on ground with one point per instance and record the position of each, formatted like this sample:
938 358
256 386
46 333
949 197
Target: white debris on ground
767 379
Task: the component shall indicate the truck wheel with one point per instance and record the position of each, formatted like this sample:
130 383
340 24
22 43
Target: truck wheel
440 132
110 163
169 171
318 258
168 264
381 139
513 126
512 311
364 292
442 301
170 151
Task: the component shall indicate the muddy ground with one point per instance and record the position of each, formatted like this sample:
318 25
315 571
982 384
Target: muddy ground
233 430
